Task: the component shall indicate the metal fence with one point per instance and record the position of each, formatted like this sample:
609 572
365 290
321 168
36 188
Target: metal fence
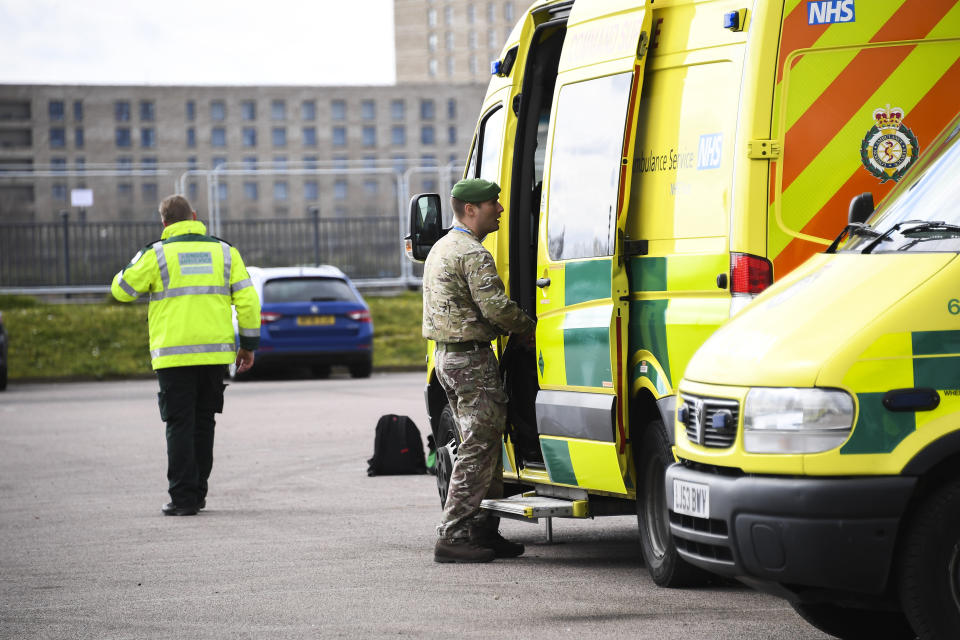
70 254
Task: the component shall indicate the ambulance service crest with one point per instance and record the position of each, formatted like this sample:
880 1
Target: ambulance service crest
889 148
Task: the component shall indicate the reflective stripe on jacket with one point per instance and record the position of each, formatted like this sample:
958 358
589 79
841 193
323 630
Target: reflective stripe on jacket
193 280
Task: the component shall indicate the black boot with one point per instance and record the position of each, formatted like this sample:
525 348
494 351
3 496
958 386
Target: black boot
461 551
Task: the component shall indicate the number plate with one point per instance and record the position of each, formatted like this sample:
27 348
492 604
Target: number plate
313 321
691 499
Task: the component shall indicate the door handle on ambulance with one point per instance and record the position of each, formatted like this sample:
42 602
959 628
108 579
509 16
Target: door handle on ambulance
543 282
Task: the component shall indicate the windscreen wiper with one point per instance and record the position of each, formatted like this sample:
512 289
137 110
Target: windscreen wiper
886 234
852 229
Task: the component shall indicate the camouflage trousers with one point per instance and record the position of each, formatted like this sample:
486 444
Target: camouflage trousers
479 403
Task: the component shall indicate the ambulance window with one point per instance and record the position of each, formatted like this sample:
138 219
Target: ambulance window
585 167
489 140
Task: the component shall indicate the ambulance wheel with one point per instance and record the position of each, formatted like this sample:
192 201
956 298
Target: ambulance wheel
930 565
660 556
856 624
448 438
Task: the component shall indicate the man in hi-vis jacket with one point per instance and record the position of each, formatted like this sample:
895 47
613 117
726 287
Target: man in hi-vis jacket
193 280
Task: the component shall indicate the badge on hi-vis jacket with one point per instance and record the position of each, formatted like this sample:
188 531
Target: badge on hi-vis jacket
889 148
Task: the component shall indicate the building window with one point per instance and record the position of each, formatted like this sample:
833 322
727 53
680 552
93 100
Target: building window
192 191
451 135
218 161
249 135
222 191
56 109
428 110
369 136
250 163
338 110
149 191
311 162
125 191
78 111
58 164
122 136
280 190
449 40
398 135
218 137
58 192
472 40
450 67
248 110
508 11
279 136
218 111
121 111
191 137
339 189
78 137
339 137
148 137
368 110
473 65
278 110
80 164
371 187
427 134
311 190
309 136
251 190
399 164
58 137
147 110
369 162
428 160
397 109
148 164
432 43
448 15
429 184
491 12
192 163
125 164
191 110
452 109
431 17
280 162
492 39
308 110
471 14
339 162
432 67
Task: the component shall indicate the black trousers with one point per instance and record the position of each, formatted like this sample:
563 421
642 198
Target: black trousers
189 398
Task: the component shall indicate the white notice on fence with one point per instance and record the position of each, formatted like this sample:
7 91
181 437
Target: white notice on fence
81 197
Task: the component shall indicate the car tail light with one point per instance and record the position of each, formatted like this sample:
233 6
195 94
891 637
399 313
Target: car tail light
269 316
749 274
359 316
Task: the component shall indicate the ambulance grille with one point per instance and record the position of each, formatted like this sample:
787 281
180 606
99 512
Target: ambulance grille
697 415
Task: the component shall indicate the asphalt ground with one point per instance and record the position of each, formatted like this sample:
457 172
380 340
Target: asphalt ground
296 540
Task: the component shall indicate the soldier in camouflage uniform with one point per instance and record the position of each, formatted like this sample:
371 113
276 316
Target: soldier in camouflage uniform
464 309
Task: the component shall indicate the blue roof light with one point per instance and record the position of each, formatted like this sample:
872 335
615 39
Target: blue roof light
731 20
495 67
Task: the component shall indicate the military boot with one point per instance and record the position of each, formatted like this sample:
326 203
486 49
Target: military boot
501 547
462 550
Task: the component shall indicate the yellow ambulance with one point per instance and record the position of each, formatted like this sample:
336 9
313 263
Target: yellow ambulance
660 162
818 432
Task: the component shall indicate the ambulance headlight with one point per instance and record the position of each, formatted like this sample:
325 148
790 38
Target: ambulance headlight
796 420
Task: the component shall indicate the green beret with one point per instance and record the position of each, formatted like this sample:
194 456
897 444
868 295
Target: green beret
475 190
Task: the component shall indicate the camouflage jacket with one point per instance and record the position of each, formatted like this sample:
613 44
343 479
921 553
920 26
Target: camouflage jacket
463 296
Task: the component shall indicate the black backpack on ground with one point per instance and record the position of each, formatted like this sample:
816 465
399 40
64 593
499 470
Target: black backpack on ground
397 448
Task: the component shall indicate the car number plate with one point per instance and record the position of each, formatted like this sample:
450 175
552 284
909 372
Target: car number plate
313 321
691 499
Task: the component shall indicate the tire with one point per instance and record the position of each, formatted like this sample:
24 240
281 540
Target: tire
929 565
320 371
664 564
3 376
856 624
362 369
448 439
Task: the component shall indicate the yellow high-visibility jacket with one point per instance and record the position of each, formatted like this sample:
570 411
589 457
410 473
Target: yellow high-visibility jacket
193 279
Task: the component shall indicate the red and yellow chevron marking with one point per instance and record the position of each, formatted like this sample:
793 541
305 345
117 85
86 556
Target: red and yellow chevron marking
828 85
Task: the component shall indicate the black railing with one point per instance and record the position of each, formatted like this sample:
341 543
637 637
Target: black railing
76 253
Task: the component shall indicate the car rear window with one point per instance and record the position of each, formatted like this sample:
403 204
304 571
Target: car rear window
307 290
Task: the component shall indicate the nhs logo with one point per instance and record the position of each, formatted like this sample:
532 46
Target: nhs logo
708 155
830 11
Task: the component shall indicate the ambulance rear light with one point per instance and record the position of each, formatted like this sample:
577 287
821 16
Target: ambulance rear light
266 317
359 316
749 275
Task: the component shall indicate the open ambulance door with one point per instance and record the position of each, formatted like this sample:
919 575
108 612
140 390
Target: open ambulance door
581 301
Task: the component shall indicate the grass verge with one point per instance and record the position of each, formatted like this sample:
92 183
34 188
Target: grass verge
109 340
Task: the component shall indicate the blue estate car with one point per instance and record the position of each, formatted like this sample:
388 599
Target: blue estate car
312 316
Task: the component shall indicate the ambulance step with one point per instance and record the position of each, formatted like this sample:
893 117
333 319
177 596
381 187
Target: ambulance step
532 507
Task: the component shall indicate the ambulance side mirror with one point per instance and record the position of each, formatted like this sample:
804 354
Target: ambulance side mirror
426 225
861 207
